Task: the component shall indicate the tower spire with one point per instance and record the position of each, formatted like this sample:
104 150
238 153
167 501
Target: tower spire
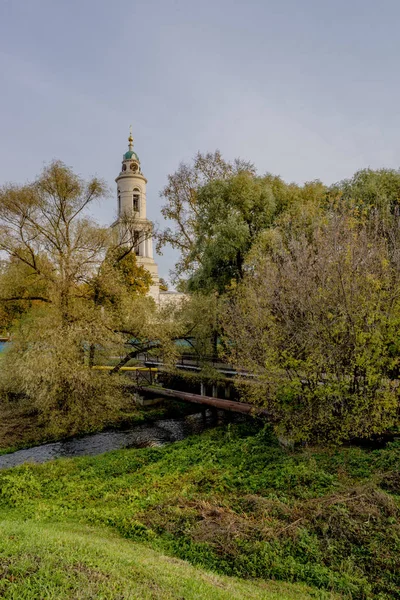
130 138
131 196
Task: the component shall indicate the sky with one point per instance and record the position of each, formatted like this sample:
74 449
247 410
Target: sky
307 89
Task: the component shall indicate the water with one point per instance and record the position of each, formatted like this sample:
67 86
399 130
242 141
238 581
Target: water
139 436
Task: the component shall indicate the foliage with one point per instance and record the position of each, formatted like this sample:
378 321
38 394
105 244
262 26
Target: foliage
69 288
181 209
55 250
199 318
220 210
43 226
163 285
46 365
20 291
124 263
309 283
118 289
317 320
231 214
371 189
232 500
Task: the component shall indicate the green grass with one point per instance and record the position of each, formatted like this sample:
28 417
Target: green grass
233 502
60 562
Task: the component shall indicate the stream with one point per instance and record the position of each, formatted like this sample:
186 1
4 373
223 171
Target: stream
145 435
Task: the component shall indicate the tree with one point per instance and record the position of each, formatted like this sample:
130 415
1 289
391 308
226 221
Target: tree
58 255
46 368
43 226
235 216
72 285
181 209
317 322
219 210
372 189
231 214
20 290
117 275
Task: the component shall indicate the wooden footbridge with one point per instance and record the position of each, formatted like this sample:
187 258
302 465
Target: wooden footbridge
219 403
145 384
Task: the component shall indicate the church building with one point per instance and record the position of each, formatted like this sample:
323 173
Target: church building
132 222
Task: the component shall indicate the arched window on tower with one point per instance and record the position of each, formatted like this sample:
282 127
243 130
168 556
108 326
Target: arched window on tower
136 200
119 203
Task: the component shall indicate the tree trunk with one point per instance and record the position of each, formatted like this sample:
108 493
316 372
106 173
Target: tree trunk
91 355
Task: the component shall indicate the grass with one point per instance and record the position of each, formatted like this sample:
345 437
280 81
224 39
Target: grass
59 562
233 502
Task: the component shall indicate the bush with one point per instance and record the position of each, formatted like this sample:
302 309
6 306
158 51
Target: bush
316 320
46 365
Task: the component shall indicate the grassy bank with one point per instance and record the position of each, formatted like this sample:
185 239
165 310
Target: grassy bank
234 502
53 562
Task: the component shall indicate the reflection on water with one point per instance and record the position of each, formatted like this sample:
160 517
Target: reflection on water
140 436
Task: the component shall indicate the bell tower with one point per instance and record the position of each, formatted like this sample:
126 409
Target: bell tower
131 198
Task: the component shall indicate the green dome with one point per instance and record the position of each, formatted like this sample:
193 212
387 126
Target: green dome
130 154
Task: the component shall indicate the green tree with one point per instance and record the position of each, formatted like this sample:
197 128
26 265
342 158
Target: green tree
235 217
372 189
44 226
219 210
317 322
231 215
181 207
20 289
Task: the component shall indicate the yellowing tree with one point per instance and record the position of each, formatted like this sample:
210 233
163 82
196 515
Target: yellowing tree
71 286
317 321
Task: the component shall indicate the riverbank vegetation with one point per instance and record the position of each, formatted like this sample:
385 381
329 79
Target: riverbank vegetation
298 285
71 294
232 501
308 286
298 288
64 286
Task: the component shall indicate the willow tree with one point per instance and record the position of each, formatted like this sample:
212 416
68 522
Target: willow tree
66 279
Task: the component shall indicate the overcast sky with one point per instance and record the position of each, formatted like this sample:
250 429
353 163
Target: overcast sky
304 88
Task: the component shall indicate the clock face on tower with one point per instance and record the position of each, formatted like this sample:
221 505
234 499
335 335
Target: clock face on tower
134 167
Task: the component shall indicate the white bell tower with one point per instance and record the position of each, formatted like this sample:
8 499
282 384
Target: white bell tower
131 195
